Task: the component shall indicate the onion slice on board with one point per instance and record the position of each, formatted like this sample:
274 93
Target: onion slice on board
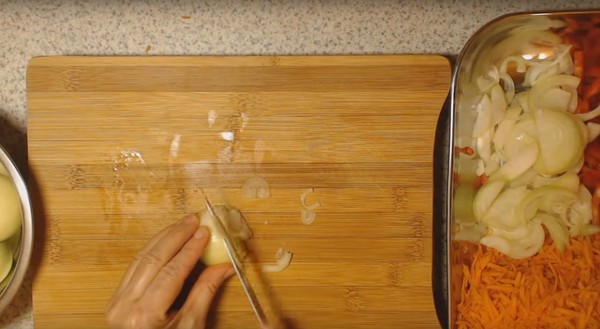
256 188
283 261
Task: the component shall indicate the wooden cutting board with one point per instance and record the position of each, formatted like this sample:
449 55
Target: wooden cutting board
119 147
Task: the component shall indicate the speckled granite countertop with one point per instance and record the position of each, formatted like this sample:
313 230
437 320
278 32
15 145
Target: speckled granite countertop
158 27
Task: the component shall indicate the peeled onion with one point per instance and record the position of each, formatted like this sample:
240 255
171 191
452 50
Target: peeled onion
235 224
11 216
6 260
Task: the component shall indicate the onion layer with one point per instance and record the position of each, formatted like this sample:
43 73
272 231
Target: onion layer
283 261
256 188
529 149
235 224
308 214
6 260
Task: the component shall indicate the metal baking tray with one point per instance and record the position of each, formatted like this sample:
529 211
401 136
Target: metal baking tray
521 34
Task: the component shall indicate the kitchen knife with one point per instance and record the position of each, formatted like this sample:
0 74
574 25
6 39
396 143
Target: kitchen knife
251 278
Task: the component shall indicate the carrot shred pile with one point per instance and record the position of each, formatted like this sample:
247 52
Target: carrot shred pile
548 290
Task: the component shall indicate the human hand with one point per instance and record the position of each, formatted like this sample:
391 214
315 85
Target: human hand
156 277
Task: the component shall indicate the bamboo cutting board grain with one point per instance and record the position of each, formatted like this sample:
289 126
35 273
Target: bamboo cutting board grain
119 147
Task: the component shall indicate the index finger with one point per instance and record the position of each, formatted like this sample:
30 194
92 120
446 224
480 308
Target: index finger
151 261
136 260
167 284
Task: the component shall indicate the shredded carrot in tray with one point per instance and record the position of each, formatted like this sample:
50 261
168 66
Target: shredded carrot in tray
548 290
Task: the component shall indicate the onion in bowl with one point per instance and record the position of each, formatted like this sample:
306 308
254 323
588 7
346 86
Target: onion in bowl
11 215
16 226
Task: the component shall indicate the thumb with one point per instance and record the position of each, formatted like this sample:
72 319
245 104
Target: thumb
204 290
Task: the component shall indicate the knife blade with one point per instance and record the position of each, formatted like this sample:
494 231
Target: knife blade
251 278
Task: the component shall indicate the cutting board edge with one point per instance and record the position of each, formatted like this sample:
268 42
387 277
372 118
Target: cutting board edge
241 60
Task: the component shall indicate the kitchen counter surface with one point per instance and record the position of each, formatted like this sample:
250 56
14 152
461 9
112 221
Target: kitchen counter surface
157 27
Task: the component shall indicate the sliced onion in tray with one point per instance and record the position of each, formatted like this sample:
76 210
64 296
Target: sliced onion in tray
494 164
557 230
485 197
525 243
538 72
568 180
502 213
560 141
508 85
521 135
593 131
522 100
484 146
555 99
589 115
587 229
470 231
530 246
491 78
517 61
543 87
504 127
497 242
519 164
498 103
529 150
526 179
484 117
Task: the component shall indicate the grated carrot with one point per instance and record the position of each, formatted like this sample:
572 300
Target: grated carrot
548 290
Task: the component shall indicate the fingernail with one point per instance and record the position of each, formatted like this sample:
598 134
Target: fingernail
230 273
200 233
187 220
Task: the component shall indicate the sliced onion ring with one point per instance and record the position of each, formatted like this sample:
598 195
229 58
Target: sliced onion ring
587 116
283 261
256 188
303 197
308 216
